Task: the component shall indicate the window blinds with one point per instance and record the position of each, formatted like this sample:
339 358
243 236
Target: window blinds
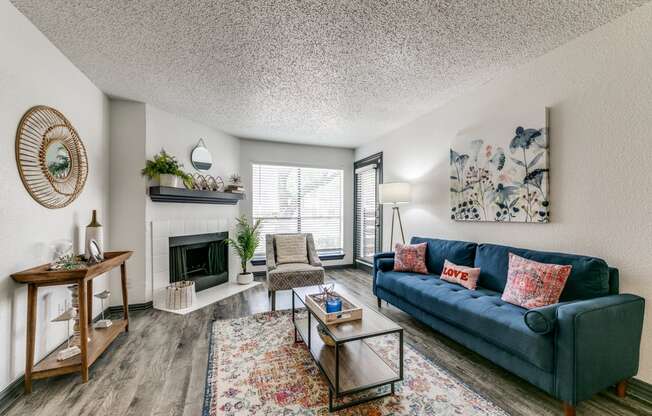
290 199
366 205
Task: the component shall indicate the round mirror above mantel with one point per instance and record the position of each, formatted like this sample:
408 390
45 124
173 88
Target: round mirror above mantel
201 157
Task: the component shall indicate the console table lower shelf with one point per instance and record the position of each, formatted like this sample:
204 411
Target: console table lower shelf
100 340
351 366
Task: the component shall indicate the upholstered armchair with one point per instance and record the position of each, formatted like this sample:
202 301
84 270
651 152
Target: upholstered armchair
292 261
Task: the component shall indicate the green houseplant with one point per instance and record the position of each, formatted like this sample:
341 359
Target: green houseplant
166 169
245 243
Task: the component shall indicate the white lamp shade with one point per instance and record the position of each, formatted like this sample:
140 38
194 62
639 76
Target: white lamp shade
394 193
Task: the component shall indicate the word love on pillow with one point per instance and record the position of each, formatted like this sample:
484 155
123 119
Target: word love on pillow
465 276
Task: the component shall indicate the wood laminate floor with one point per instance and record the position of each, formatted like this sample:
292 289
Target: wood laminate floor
159 368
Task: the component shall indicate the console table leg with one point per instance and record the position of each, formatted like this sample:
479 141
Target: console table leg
31 335
125 298
83 329
89 300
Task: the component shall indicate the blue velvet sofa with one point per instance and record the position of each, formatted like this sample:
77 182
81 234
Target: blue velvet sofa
587 342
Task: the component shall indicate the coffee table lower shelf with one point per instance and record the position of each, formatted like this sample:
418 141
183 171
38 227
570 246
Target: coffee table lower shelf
354 368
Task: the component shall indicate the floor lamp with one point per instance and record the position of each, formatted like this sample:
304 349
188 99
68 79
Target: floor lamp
394 194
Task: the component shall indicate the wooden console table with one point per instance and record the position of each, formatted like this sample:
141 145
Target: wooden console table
100 338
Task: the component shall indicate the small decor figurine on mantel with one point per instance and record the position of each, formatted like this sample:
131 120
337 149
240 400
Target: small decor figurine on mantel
94 233
235 184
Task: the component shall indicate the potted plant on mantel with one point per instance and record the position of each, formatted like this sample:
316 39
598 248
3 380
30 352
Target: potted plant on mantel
245 243
167 170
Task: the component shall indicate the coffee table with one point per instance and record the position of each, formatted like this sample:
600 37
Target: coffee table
351 366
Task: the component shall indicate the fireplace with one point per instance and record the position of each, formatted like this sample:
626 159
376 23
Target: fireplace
201 258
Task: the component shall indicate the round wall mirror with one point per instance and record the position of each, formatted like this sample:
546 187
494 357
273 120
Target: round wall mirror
58 160
200 157
51 157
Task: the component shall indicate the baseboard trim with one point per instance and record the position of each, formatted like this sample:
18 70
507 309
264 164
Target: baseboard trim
10 394
13 391
641 390
132 307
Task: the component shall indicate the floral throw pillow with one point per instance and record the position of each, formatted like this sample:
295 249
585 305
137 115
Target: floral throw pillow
462 275
410 258
531 284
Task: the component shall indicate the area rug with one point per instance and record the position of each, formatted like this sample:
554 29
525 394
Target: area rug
255 368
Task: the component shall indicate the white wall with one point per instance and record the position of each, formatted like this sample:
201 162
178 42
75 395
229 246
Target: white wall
599 89
127 203
32 72
258 151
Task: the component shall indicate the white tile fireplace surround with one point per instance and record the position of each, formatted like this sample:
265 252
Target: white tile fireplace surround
158 261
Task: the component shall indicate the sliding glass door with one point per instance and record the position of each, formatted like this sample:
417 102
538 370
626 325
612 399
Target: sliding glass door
367 221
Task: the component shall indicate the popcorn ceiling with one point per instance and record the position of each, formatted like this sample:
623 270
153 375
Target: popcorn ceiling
336 73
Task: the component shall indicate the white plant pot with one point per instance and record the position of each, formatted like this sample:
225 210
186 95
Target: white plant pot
169 180
245 278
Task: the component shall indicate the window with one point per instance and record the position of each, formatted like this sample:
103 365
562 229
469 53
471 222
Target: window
368 212
290 199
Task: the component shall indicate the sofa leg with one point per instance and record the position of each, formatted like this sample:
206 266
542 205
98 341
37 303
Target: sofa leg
569 409
273 296
621 389
379 303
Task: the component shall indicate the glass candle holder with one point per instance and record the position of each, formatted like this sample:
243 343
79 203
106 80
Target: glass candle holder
333 305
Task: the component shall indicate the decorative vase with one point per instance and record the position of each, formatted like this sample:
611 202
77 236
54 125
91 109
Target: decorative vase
167 179
94 232
245 278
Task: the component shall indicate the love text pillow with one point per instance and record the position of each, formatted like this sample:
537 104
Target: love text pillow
462 275
410 258
531 284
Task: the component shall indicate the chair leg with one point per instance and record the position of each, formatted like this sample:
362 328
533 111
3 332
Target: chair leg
621 389
273 295
569 409
379 303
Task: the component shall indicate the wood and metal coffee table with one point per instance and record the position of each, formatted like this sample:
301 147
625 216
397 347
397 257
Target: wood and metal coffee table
351 366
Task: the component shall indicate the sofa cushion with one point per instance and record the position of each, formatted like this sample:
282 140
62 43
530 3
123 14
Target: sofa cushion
410 258
531 284
291 248
589 277
461 253
480 312
462 275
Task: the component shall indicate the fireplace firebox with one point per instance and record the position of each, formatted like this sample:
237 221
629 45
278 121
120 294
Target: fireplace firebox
201 258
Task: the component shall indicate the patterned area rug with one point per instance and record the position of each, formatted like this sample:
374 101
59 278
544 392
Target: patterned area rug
255 368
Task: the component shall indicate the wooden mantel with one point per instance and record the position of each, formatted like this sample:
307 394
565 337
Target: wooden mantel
191 196
100 338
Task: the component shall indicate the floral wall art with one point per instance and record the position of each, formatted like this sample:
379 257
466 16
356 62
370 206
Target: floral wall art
499 170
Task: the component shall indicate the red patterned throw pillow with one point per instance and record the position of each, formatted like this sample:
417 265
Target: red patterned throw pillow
462 275
531 284
410 258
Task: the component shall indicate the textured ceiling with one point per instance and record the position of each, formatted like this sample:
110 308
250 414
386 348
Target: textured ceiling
335 73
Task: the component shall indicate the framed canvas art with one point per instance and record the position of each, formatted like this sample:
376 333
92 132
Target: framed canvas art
499 170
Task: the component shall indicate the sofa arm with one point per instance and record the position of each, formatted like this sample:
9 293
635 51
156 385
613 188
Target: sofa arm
270 254
596 344
383 262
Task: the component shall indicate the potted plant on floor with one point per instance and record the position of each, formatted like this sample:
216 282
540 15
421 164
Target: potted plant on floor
245 243
166 169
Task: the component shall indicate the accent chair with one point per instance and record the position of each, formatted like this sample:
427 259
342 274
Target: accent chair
292 261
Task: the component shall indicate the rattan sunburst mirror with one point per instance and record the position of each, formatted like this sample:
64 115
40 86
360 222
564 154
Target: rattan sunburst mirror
51 157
